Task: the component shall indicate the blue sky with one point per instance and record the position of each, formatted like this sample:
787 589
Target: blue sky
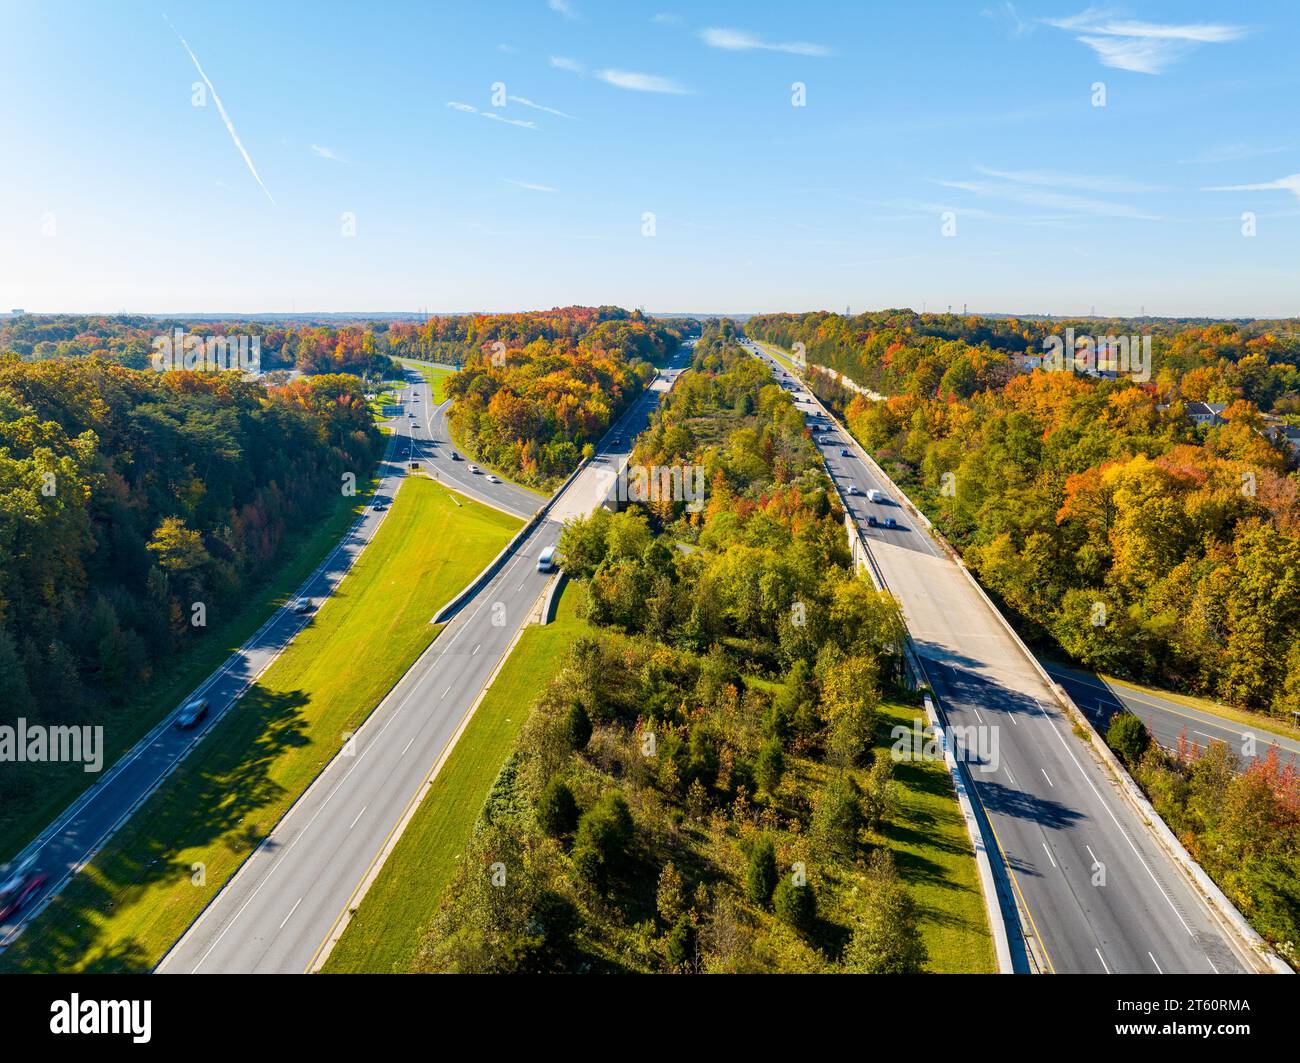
117 193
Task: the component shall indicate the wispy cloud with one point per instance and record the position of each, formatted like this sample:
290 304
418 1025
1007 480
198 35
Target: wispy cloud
627 79
1230 153
230 126
1006 14
1282 184
1142 47
326 153
1056 192
742 41
561 62
664 18
562 7
525 102
530 186
466 108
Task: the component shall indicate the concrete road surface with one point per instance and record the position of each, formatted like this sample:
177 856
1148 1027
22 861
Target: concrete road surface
1097 893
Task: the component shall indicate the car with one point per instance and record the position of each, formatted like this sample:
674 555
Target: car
852 489
415 398
890 522
17 884
871 521
546 560
475 470
411 414
456 457
378 507
873 495
414 465
191 713
844 452
493 479
415 426
303 606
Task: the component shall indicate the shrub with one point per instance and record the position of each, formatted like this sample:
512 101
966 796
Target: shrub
600 847
796 904
557 811
1127 737
760 879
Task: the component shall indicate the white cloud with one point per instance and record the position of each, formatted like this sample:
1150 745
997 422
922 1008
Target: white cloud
665 19
1282 184
741 41
531 187
1055 191
560 62
1230 153
326 153
562 7
1142 47
230 126
1005 12
626 79
456 105
524 102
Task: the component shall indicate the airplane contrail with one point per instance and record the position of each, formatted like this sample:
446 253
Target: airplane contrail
230 126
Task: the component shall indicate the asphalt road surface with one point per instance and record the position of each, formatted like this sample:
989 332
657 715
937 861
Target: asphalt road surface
1168 720
80 831
288 903
1098 893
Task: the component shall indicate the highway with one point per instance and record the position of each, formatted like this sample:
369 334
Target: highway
81 830
1095 891
288 903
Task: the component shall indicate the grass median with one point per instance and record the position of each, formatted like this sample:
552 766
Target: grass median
388 928
127 907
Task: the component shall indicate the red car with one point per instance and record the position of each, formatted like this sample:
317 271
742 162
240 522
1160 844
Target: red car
16 886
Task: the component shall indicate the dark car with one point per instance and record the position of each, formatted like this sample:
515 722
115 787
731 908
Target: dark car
17 884
455 456
890 522
192 713
871 521
303 607
844 452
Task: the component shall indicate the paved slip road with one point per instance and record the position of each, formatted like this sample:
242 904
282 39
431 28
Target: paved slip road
1060 823
1167 719
69 842
285 907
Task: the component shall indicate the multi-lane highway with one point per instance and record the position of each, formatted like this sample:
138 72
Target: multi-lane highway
1095 892
82 829
289 901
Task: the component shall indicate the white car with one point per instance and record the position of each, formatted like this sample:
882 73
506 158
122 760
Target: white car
493 479
475 469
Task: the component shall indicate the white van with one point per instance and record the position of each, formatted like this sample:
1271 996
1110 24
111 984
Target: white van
873 495
546 562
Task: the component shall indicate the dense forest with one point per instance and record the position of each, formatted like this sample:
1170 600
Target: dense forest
1115 528
537 390
134 504
700 788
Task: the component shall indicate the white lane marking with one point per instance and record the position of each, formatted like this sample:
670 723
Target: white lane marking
359 814
406 747
1012 778
1049 854
1013 718
1211 963
1168 900
291 911
476 649
1091 853
1102 958
445 693
977 714
1048 778
1160 969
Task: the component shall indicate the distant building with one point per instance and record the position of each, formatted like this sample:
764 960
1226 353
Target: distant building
1206 413
1286 435
16 312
